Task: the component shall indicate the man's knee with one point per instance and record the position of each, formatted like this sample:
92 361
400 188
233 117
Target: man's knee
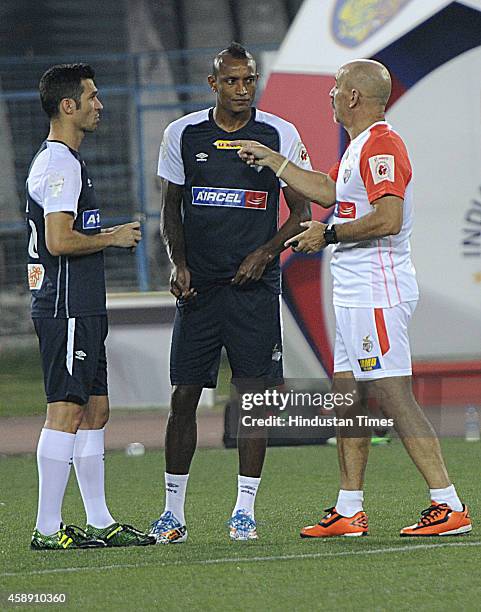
345 393
393 392
64 416
96 413
395 399
344 382
350 406
184 401
101 419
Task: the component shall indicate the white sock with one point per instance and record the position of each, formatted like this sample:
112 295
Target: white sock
246 494
447 496
88 459
349 502
175 489
54 456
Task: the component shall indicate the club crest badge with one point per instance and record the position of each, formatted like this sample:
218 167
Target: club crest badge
354 21
367 344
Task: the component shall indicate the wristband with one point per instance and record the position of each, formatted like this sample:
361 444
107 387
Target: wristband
282 167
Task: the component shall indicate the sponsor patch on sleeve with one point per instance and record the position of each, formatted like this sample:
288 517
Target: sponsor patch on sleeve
367 364
91 219
382 168
36 273
55 183
302 156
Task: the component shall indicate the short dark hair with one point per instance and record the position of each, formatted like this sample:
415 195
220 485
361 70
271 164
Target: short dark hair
62 81
235 50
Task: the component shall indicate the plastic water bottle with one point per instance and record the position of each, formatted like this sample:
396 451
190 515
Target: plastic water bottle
471 425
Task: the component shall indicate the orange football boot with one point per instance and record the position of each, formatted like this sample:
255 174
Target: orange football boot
334 524
440 520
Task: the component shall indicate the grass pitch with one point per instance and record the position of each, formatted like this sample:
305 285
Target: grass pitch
280 571
21 382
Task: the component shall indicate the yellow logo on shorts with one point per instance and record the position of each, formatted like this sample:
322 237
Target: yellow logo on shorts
369 363
225 144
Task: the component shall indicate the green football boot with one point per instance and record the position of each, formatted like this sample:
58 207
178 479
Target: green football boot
68 536
380 440
120 535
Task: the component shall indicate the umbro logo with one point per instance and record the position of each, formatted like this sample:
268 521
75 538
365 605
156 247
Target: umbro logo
201 157
360 521
80 355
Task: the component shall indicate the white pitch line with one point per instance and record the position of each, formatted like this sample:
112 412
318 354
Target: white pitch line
320 555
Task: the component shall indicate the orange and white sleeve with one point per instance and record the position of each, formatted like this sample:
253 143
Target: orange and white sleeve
385 167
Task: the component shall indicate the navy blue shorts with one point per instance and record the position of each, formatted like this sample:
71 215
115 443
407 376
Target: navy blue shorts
245 320
73 357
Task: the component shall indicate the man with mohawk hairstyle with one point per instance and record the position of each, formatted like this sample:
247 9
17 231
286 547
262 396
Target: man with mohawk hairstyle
219 225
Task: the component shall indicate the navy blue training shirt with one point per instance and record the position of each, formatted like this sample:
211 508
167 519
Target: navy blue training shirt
62 286
229 208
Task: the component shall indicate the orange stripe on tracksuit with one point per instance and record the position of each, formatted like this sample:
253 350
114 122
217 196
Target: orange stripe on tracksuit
381 330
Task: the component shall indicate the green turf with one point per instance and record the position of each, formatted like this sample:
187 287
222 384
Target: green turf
211 573
21 382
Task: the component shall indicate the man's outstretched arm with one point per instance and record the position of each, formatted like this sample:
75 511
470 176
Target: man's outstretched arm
314 186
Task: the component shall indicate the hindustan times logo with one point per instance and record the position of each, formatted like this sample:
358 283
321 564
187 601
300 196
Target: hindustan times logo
280 400
360 421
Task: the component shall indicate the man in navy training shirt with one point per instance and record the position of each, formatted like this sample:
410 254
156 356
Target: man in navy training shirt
66 279
219 222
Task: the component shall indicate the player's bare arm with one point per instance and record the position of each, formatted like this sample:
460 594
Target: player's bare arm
62 239
385 220
253 266
172 233
315 186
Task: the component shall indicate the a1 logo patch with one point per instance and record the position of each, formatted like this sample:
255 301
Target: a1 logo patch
91 219
382 168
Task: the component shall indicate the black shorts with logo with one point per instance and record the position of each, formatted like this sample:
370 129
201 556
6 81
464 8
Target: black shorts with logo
245 320
73 357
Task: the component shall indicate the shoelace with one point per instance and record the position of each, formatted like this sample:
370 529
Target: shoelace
432 513
329 512
166 521
75 532
242 521
132 530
